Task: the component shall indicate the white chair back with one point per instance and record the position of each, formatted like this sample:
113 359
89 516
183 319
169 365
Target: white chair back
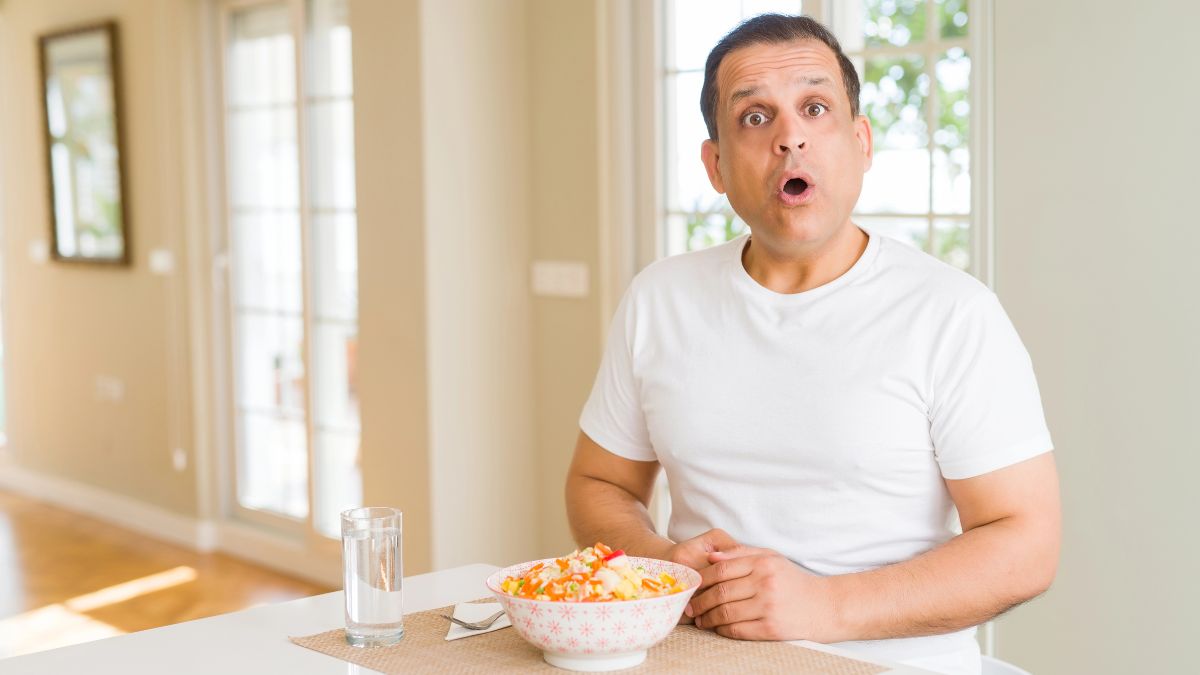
994 666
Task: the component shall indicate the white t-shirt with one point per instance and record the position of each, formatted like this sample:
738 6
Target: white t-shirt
819 424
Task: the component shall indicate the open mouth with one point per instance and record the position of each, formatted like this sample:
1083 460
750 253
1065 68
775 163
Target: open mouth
795 186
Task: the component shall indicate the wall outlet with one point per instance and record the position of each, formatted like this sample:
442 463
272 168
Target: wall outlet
162 261
39 251
179 459
110 388
560 278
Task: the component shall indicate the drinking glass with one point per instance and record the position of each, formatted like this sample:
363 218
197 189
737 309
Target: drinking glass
372 573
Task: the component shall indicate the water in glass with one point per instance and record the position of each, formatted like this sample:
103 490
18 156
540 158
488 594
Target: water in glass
372 574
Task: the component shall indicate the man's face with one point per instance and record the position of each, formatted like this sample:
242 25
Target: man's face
789 154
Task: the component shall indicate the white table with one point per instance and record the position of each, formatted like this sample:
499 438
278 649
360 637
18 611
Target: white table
256 640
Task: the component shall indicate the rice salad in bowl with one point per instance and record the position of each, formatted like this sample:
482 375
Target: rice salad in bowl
595 574
596 609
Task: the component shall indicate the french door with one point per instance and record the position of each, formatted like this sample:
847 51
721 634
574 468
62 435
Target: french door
290 296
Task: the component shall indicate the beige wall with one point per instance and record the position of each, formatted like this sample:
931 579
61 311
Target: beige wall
565 176
1096 153
477 191
469 385
389 153
66 325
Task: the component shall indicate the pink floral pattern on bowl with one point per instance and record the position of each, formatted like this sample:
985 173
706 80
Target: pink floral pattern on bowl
596 635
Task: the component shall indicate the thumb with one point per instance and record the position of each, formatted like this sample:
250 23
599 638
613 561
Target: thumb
717 539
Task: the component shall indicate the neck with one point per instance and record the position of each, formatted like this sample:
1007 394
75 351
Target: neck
796 272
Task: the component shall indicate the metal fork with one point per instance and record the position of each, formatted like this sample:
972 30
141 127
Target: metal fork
477 625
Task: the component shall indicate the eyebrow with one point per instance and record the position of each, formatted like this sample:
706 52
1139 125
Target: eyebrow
747 92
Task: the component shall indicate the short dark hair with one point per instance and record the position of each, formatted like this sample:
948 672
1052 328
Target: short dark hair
771 29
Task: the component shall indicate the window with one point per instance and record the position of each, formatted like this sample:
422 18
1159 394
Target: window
292 238
913 57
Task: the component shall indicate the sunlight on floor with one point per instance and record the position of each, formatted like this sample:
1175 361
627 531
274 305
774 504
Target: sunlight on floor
131 589
64 623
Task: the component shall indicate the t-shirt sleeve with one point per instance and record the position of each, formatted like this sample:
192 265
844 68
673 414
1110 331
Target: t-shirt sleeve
613 416
987 411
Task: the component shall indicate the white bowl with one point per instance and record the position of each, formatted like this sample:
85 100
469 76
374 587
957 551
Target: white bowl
596 636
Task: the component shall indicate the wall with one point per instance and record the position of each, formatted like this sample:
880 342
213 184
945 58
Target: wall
390 147
66 324
475 77
566 178
1096 238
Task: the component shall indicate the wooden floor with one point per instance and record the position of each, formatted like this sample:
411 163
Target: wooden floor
66 578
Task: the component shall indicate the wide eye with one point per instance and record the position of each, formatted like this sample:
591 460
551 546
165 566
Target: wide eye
815 109
754 119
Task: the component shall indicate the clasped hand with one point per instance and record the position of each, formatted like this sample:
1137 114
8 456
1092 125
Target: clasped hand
752 593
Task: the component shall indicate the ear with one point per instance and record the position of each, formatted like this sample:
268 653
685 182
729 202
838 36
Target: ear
710 155
862 131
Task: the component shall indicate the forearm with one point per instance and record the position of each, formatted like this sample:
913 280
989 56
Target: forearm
601 511
965 582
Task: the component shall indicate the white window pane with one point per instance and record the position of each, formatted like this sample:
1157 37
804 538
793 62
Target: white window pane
698 26
952 242
894 96
898 182
689 187
951 157
332 159
266 249
270 371
338 480
894 23
952 181
264 165
911 231
273 464
895 91
953 18
331 70
260 57
335 266
335 386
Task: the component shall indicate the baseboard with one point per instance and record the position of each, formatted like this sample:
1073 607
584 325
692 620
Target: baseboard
280 553
265 548
118 509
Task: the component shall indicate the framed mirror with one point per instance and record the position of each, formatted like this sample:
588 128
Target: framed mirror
82 98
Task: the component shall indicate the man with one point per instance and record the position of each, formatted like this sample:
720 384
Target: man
821 398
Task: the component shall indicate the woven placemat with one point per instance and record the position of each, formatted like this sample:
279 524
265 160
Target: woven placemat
687 649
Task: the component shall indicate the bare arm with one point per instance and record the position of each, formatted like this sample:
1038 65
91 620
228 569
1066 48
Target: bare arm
607 496
1007 554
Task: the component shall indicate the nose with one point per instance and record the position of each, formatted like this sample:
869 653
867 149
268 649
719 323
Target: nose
790 136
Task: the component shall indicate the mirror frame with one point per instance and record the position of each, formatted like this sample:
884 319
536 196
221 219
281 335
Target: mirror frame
111 34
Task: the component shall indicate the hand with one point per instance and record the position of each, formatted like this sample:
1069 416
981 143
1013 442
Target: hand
694 553
757 594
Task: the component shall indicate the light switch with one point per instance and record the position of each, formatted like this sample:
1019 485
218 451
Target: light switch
560 278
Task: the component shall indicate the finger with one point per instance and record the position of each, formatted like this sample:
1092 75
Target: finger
745 630
726 570
729 591
738 551
731 613
717 539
